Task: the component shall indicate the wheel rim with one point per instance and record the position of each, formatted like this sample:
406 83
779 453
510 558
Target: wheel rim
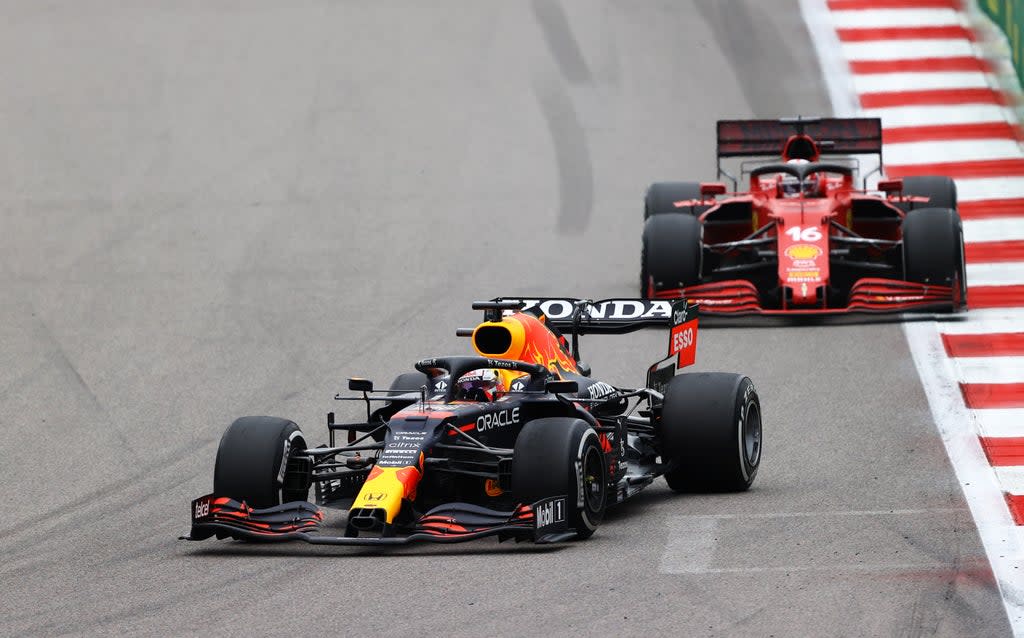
593 483
752 435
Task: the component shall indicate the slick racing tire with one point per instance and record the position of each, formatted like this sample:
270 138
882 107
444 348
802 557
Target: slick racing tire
662 196
710 432
940 191
933 248
670 256
562 457
252 461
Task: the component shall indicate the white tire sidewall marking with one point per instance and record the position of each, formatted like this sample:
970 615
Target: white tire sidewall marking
580 487
285 453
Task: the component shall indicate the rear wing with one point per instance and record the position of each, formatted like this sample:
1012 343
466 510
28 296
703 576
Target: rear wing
834 135
583 316
767 138
614 316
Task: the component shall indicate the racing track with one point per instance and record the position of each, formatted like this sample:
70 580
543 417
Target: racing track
213 209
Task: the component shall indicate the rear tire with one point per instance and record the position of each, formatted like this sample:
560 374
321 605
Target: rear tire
671 253
544 446
940 191
933 248
662 196
710 430
252 459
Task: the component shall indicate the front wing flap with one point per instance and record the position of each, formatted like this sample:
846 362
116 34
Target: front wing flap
541 522
868 295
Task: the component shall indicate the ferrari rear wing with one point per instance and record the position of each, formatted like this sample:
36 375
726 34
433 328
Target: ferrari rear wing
775 138
834 135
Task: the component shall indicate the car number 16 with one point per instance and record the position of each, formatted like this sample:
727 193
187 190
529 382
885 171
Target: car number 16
811 233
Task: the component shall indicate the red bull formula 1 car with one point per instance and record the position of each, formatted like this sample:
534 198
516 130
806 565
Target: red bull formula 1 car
804 238
517 441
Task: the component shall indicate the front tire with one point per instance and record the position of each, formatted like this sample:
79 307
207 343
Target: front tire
940 190
562 457
662 196
252 460
933 248
671 254
710 432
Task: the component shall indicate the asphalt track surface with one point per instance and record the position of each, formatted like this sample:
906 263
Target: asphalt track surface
218 209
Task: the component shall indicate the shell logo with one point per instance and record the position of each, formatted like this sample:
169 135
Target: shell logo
803 251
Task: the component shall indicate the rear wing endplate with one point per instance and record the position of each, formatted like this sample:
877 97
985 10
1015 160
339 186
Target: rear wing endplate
682 347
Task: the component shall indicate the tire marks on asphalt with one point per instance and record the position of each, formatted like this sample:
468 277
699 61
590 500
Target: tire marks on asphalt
68 516
569 138
572 157
554 25
743 32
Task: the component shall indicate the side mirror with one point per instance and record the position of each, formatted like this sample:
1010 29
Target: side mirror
360 385
710 189
890 186
561 387
583 368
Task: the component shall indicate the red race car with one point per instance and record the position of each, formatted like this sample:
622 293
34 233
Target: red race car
804 238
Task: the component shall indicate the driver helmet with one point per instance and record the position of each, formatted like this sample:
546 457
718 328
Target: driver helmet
484 384
790 186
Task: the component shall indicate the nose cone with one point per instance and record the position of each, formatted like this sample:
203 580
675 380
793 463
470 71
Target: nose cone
384 490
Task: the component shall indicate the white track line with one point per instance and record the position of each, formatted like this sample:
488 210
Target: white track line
691 545
825 513
999 534
951 151
900 116
999 229
692 542
894 17
1001 423
980 188
888 82
1008 320
907 49
989 370
785 569
987 314
1011 478
1009 273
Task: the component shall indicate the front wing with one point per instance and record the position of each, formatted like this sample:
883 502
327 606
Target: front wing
540 522
868 295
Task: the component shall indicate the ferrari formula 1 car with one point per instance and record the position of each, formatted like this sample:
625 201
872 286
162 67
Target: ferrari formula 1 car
804 238
517 441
